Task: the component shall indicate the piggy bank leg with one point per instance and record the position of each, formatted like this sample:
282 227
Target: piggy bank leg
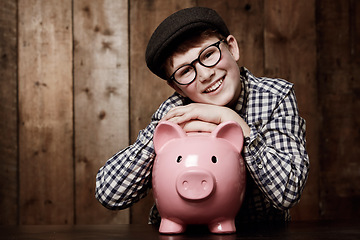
170 227
223 226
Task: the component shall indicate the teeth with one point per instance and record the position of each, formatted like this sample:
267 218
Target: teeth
214 87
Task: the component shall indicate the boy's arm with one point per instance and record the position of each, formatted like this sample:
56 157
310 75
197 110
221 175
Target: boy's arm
276 156
126 177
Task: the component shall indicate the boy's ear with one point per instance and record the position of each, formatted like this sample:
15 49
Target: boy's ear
233 47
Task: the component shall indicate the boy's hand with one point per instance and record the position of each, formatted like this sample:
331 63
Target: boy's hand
199 117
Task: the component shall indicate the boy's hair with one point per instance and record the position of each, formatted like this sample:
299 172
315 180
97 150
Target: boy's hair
194 39
174 29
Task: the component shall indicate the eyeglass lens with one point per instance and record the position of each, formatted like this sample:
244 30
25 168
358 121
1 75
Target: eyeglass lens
209 57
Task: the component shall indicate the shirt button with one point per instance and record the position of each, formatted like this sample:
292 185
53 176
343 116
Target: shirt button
131 158
260 166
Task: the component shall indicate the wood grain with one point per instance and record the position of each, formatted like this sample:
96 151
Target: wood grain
101 86
339 88
45 112
8 113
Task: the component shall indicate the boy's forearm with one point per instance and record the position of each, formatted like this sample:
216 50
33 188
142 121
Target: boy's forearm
125 178
280 173
190 115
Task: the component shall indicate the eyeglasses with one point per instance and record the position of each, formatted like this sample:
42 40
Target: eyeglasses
208 57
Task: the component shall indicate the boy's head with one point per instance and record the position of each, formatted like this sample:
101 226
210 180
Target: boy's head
193 50
176 29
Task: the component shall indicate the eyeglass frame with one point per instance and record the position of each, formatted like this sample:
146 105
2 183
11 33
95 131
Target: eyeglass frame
217 45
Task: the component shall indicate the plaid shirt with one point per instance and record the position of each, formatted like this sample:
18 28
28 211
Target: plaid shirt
275 155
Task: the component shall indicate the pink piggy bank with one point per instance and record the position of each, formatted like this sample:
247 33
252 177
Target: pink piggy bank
198 178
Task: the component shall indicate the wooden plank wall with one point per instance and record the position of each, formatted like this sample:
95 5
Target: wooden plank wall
339 90
8 113
45 112
101 88
66 107
75 89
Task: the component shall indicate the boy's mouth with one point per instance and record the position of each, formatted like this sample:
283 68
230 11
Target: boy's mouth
214 86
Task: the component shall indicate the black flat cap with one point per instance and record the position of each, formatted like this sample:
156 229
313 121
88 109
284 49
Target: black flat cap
173 30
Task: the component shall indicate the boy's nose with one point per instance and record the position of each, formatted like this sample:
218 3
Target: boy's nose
204 73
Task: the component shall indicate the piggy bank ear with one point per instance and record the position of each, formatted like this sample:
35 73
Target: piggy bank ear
232 132
166 131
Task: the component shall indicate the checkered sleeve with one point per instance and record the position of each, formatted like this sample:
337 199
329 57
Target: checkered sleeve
126 177
275 154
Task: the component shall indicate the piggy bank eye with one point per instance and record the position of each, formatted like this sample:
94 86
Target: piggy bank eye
214 159
179 158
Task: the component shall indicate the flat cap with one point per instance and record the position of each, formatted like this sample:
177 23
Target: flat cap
173 30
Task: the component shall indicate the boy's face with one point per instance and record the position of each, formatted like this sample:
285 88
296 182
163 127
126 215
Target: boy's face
219 85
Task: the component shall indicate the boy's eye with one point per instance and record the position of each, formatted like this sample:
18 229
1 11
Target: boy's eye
185 70
208 54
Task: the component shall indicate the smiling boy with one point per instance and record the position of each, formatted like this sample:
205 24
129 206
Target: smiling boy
208 87
194 52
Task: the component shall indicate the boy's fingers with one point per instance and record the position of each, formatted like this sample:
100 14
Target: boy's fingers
172 113
199 126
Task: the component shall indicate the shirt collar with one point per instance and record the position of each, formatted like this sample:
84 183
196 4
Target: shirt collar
240 106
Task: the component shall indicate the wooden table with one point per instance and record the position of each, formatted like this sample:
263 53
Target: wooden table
291 231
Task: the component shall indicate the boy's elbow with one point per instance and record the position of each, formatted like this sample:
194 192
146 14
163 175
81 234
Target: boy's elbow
100 196
289 204
288 198
107 198
109 203
284 203
292 192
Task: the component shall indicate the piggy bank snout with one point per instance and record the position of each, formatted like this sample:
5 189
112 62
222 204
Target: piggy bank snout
195 184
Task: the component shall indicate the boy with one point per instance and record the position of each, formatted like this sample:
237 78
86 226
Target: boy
193 50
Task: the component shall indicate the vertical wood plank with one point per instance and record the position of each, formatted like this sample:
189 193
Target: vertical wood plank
101 99
8 113
45 112
339 88
245 21
147 91
290 53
